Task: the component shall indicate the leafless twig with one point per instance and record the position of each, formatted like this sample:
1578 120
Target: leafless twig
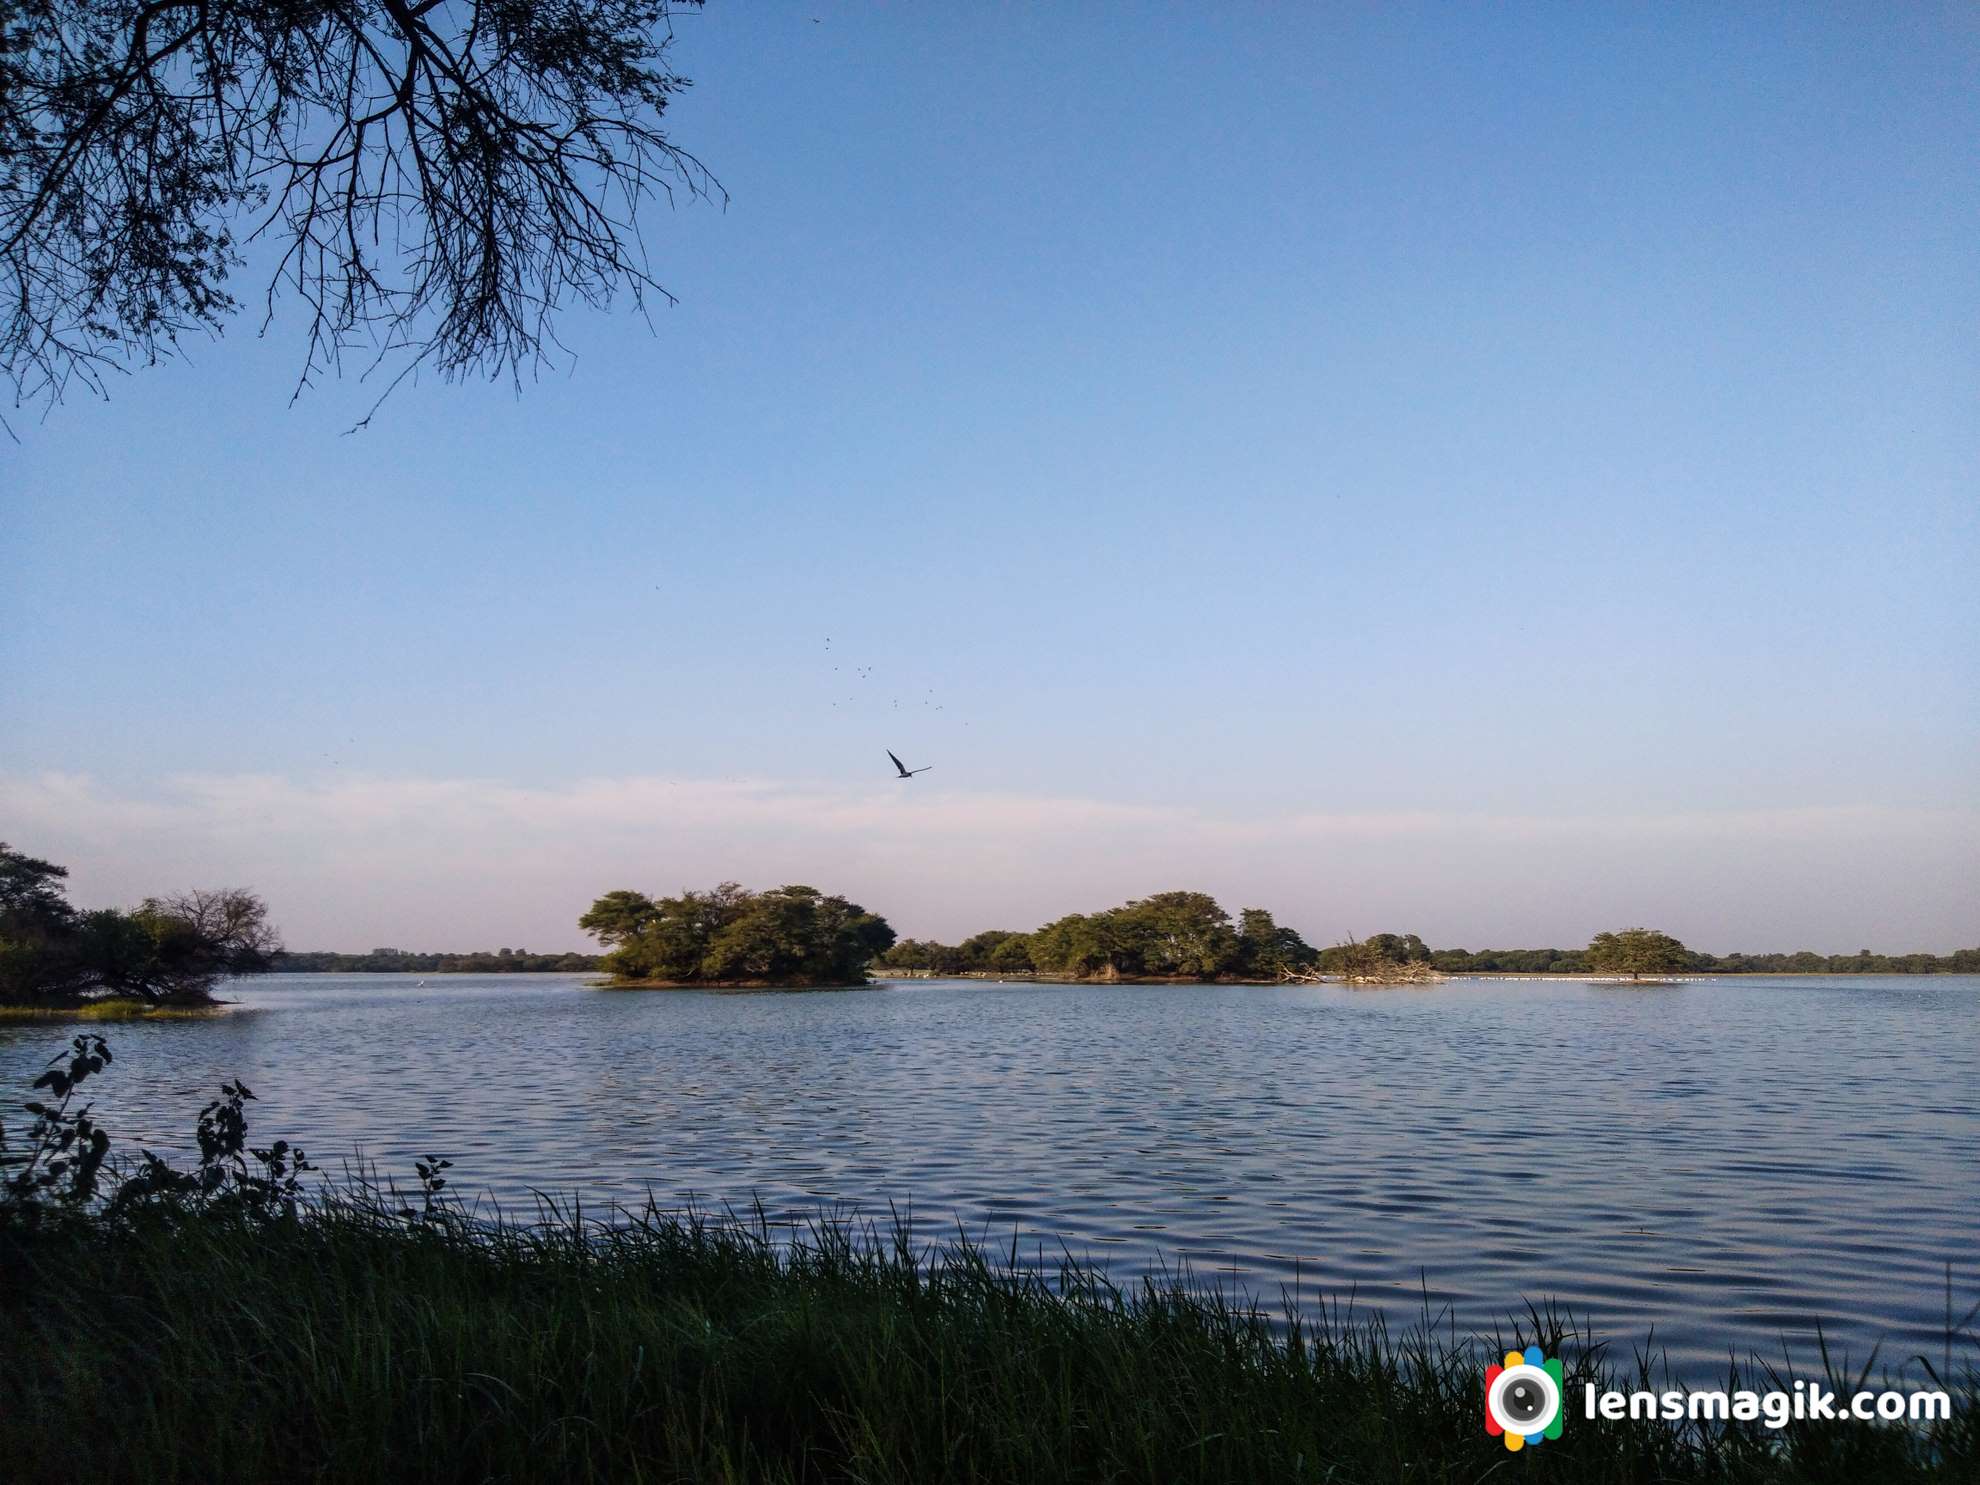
441 176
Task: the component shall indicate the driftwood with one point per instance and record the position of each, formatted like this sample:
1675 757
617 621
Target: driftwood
1358 964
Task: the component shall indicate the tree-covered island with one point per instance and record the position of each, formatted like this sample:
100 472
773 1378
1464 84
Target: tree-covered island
734 938
165 954
1167 936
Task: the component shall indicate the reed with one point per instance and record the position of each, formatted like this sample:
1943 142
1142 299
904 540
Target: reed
356 1338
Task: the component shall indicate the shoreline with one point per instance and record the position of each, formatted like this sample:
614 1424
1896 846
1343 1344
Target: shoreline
117 1009
725 985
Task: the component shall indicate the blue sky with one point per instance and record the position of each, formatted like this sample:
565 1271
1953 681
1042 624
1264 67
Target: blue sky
1491 475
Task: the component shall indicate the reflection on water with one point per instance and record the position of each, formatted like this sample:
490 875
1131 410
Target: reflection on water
1724 1163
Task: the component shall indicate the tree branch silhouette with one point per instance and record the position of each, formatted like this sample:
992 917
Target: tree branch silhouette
442 176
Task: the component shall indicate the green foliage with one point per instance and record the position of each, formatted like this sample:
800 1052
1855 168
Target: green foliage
1403 948
1081 944
1804 962
40 942
1385 959
617 917
1510 961
787 936
1636 952
994 951
924 956
1180 935
1185 935
173 948
1011 955
1366 956
1265 951
979 950
31 886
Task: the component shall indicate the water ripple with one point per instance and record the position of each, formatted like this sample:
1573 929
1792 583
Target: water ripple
1721 1166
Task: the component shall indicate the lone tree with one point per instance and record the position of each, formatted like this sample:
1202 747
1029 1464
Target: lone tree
165 949
1637 952
437 179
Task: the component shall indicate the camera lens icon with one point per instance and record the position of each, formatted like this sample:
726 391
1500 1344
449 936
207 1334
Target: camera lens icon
1523 1398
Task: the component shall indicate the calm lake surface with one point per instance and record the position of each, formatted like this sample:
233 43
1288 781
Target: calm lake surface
1707 1168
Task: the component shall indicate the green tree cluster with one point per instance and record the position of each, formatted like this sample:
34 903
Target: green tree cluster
1510 961
165 949
1180 935
1360 955
792 935
1186 935
1801 962
925 956
994 951
1636 952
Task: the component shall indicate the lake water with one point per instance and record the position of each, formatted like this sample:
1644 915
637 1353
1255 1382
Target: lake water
1710 1167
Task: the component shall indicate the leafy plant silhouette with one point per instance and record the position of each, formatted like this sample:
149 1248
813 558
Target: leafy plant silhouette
65 1149
64 1161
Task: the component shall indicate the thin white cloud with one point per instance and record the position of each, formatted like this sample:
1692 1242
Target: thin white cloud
1811 822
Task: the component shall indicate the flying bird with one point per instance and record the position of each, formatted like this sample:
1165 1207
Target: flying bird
903 770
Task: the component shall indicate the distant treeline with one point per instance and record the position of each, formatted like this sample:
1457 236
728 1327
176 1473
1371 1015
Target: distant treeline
1187 935
1260 954
1170 935
1802 962
405 961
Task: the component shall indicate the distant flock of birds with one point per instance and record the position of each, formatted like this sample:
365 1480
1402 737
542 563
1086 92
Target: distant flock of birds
901 770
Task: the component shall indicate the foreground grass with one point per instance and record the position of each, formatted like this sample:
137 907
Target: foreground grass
352 1343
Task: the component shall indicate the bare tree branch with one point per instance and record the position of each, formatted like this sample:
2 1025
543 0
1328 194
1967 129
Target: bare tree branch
442 176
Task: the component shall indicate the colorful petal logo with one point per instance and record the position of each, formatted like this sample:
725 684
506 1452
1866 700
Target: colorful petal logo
1523 1398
